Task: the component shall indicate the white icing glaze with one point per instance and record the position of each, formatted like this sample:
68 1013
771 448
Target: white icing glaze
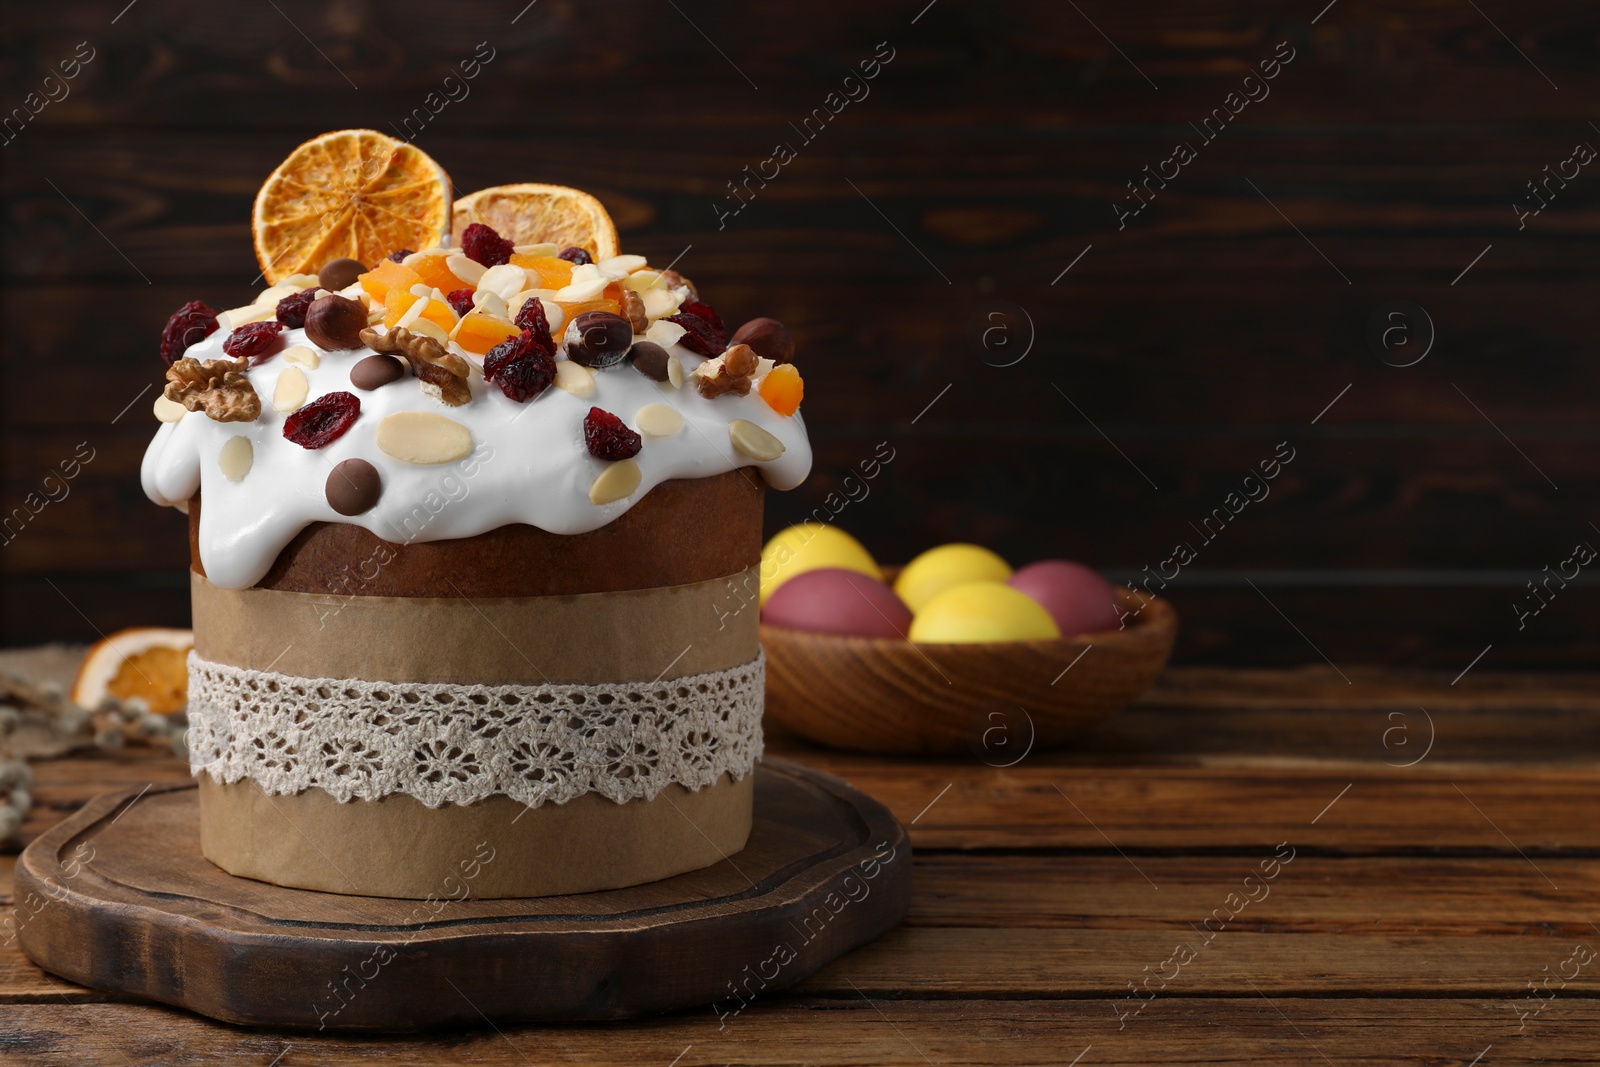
529 463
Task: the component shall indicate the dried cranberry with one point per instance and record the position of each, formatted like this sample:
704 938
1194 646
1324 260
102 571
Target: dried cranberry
189 325
255 341
522 367
531 317
292 308
482 244
700 335
398 255
607 438
705 311
575 255
322 421
461 299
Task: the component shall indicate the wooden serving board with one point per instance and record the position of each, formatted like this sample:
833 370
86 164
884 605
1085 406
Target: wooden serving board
134 908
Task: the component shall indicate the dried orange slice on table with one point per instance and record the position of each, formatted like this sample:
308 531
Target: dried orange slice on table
533 213
355 194
147 662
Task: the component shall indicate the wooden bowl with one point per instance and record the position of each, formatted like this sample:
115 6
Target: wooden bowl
997 701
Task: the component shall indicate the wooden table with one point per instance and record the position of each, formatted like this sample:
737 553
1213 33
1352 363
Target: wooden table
1288 868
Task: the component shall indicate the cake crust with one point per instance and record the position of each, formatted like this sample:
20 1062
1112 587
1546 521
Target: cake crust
682 531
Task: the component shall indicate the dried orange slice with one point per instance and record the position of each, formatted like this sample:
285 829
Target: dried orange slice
351 193
147 662
531 213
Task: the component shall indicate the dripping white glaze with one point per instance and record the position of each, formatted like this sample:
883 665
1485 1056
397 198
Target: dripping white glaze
529 463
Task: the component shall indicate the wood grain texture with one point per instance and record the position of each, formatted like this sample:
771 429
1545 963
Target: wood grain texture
985 159
854 1029
124 894
1416 907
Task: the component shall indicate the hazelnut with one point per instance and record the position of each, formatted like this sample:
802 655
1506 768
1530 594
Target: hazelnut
674 280
769 337
335 322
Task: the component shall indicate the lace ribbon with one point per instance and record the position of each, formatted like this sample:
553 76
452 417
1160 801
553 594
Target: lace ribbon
456 744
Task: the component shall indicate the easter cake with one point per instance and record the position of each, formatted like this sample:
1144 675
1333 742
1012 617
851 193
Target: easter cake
466 489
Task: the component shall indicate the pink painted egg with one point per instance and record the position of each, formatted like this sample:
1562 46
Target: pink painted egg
833 600
1077 597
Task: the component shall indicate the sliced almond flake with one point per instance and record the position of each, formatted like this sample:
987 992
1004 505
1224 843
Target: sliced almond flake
575 378
270 297
580 291
289 394
506 279
753 441
586 272
301 281
306 357
544 249
616 482
468 270
238 455
412 313
423 437
624 264
234 318
417 257
429 328
658 420
665 334
659 303
422 291
675 372
169 410
644 280
763 368
555 315
491 303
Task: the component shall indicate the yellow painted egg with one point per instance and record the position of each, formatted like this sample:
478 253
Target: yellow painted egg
980 612
947 566
811 546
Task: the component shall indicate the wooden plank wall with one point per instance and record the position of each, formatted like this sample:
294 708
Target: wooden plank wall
980 163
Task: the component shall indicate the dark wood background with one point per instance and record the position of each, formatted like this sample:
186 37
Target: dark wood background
995 142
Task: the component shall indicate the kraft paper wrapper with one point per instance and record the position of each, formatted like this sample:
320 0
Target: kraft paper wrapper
634 636
398 847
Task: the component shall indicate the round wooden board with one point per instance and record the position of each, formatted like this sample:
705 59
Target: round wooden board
130 906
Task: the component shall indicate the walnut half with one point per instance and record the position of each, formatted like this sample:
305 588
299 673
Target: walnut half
217 387
443 374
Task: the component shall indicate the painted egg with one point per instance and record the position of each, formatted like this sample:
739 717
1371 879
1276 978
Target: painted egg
942 568
811 546
982 612
1077 597
833 600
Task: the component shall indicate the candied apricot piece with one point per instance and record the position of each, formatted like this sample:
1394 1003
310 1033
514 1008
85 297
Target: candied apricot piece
554 272
386 276
479 332
783 389
578 307
400 305
397 305
436 275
